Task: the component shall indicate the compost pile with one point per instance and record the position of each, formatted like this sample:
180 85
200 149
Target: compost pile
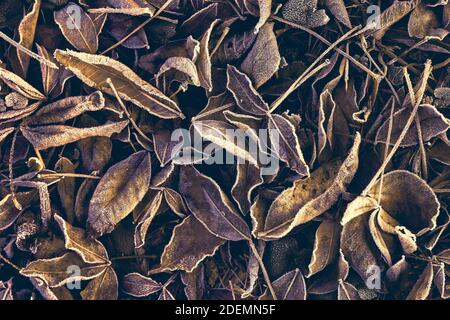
349 100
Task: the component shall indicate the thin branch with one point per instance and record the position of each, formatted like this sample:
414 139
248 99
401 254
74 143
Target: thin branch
28 52
263 269
421 92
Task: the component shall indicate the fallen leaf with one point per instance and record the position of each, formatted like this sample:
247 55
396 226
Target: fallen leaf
119 191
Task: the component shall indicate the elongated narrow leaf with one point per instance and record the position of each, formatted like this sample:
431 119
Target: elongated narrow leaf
27 31
18 84
421 289
247 98
338 9
94 70
139 286
227 137
66 109
61 270
204 59
247 179
326 246
265 7
286 145
57 135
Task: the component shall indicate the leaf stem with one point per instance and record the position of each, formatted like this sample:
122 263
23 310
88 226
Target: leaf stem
310 71
318 36
7 261
132 257
263 269
125 110
139 27
28 52
67 174
421 91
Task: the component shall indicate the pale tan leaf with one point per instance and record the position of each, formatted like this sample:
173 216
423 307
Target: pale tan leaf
310 197
18 84
45 137
94 70
119 191
59 271
76 239
104 287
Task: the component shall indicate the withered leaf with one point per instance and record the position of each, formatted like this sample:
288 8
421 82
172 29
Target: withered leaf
421 289
137 285
247 179
130 7
186 249
8 211
81 33
45 137
263 60
225 136
18 84
119 191
290 286
204 59
66 187
66 109
184 68
5 132
165 147
326 246
311 197
305 13
265 7
54 272
76 239
245 95
210 205
146 215
338 9
377 236
416 207
285 143
347 291
95 151
194 283
357 248
104 287
53 80
440 281
358 207
235 46
407 239
391 15
432 123
424 22
94 70
27 30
